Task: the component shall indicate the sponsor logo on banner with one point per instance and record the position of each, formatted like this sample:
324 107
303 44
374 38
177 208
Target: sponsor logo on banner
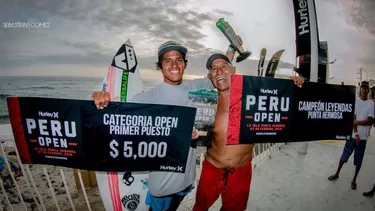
270 108
123 137
303 36
267 108
302 27
303 16
178 168
275 110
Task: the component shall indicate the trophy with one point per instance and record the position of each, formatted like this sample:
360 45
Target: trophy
229 33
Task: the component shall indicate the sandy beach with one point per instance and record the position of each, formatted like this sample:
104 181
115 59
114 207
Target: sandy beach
42 186
41 183
6 138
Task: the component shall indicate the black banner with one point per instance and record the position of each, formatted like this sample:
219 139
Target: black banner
275 110
121 137
302 27
323 112
303 32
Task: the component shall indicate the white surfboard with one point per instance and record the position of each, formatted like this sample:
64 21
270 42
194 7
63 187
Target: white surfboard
123 191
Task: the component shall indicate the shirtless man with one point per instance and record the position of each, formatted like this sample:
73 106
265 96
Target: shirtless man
168 189
226 170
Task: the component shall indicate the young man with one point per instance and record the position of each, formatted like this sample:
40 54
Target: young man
167 189
370 193
373 122
226 170
364 114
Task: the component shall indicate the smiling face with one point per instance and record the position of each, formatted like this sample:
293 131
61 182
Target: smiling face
173 67
363 92
220 74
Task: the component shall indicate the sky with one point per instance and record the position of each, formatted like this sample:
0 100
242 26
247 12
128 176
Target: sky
80 37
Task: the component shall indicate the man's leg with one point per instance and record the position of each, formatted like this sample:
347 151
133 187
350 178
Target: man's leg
158 203
177 199
209 187
358 158
371 192
354 181
347 152
236 194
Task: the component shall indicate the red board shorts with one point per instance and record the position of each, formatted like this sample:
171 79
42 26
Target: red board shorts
232 184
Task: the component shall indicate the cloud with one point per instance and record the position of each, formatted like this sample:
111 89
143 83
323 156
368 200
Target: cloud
83 32
362 14
360 39
91 31
116 19
358 13
368 53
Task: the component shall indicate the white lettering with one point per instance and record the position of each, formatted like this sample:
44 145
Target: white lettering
262 103
43 127
276 103
30 125
304 19
267 117
54 126
53 142
250 100
49 114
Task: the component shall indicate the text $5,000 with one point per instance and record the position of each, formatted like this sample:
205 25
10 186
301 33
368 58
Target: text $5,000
151 149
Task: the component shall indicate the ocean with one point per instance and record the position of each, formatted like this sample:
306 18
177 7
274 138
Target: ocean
52 87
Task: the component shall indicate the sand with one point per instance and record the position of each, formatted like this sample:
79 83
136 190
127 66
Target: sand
58 186
6 137
43 188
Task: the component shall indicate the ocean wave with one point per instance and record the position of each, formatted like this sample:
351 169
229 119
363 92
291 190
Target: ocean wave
4 116
38 87
70 83
4 119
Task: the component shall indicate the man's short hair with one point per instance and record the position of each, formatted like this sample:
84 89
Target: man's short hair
365 84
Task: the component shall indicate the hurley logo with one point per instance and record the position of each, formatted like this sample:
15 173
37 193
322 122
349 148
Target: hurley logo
269 91
304 17
49 114
178 168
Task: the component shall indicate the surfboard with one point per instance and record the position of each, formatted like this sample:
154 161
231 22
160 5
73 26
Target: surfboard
123 191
